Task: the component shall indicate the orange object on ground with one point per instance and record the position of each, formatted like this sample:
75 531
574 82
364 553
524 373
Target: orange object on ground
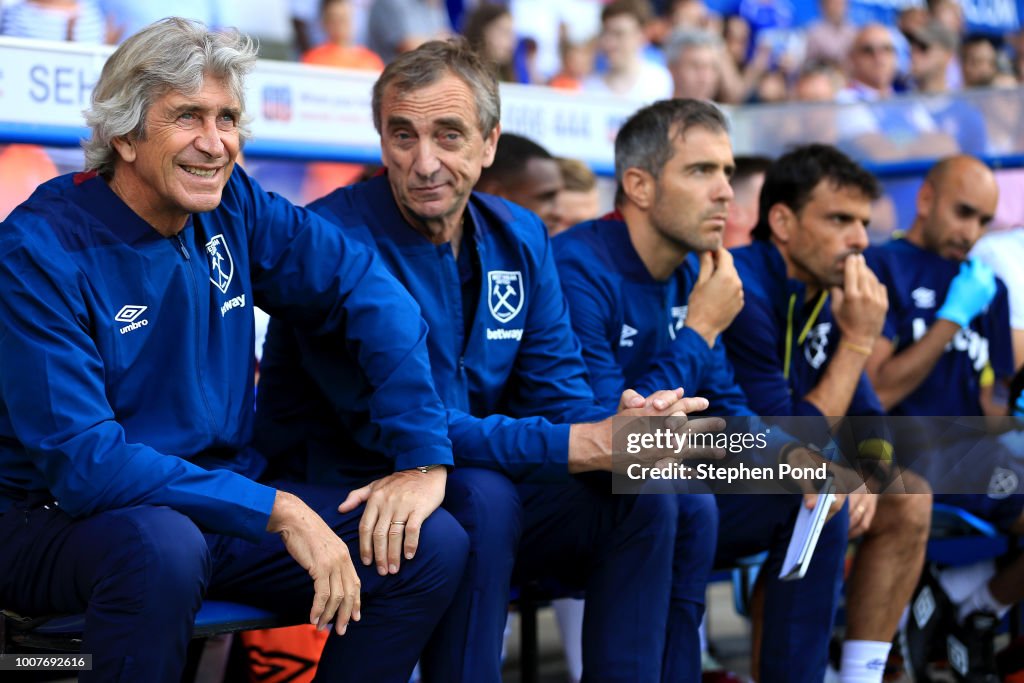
283 654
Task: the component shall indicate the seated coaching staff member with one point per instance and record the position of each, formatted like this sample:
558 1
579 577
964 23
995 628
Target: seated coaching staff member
508 368
651 289
812 311
126 390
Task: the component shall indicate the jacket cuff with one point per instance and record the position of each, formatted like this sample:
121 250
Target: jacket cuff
258 500
422 457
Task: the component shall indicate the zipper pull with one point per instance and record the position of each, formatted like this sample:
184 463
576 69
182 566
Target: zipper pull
183 248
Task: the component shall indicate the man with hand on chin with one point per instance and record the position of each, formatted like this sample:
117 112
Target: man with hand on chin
812 313
651 290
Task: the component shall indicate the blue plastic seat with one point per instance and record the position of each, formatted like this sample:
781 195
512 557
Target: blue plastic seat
64 633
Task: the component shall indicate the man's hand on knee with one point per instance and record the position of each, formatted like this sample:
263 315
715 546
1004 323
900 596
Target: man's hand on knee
396 507
318 550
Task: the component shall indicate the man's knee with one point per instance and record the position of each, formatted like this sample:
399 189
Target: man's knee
656 515
442 552
486 504
908 516
155 554
698 511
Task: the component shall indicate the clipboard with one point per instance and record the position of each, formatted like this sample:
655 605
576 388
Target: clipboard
806 531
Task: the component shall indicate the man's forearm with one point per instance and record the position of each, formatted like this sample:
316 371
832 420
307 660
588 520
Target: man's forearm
898 376
590 447
834 391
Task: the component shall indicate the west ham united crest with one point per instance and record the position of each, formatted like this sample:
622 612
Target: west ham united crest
504 294
222 266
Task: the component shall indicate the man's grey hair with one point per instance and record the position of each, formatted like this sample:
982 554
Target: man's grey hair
171 55
686 38
428 64
645 139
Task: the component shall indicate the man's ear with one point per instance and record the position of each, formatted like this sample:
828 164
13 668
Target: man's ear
638 187
781 219
125 148
925 197
491 145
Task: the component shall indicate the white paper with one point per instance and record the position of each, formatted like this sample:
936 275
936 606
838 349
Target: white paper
805 535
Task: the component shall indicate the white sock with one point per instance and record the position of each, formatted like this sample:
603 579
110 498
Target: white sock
960 582
981 600
863 661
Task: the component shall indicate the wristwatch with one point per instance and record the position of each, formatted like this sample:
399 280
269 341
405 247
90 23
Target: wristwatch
426 468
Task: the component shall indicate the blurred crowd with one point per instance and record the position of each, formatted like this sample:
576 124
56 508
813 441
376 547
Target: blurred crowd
637 48
646 50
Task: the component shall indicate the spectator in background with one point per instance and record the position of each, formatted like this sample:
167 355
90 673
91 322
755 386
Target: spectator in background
771 88
79 21
817 82
914 18
704 67
830 38
490 31
932 49
899 131
886 131
622 42
949 13
736 36
979 61
694 60
1016 45
397 26
689 14
305 16
127 17
340 49
526 174
792 126
577 60
872 62
746 182
579 199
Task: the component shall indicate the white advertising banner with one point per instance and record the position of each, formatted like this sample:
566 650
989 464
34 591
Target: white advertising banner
297 111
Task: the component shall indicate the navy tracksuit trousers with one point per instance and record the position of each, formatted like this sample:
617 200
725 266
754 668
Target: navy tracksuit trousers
140 574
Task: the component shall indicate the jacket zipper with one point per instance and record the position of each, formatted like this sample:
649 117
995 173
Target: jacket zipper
195 307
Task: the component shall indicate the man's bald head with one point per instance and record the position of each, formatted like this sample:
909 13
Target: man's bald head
873 57
955 204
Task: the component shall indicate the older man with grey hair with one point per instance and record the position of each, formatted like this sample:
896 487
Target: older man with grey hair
521 415
128 478
694 60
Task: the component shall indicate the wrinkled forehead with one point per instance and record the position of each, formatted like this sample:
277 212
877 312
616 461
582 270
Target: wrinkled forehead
447 98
